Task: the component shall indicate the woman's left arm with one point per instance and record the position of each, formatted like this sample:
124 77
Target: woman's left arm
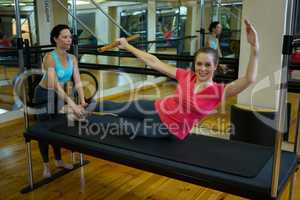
245 81
78 83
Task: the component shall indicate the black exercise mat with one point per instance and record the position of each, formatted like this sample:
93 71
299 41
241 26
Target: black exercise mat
231 157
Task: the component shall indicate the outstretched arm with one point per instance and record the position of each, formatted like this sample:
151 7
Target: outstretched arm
148 59
243 82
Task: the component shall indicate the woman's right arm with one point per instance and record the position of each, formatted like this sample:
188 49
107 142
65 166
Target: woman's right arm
53 83
149 59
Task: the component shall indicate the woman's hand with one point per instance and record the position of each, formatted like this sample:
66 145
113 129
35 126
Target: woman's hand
74 112
251 35
122 43
84 104
78 110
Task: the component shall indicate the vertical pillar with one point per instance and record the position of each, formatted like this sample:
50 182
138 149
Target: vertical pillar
102 31
19 36
33 28
44 19
191 26
202 17
236 23
151 24
49 14
75 29
113 31
216 10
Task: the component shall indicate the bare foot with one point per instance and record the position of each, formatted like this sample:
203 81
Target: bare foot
46 171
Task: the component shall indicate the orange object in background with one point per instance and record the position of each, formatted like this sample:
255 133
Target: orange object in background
115 44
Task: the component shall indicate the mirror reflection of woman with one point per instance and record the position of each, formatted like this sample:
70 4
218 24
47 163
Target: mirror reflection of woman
212 41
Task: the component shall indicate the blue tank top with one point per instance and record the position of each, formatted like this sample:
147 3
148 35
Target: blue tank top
213 42
63 73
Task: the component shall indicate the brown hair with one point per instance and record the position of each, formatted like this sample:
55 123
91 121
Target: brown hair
56 31
207 50
213 25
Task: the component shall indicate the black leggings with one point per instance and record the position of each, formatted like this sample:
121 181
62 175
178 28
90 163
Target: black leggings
140 112
47 100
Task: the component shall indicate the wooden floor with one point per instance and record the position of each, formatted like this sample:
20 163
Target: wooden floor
98 180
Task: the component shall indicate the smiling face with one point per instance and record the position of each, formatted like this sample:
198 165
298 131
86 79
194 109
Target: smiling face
205 67
64 39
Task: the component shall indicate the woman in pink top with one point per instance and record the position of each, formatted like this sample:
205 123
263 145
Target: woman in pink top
196 94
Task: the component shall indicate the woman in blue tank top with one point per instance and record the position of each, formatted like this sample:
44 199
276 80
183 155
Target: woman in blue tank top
212 41
59 68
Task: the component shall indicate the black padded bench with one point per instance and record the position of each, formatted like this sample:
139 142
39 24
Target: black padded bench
229 166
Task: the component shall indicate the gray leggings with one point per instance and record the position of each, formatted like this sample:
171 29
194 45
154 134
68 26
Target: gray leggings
140 112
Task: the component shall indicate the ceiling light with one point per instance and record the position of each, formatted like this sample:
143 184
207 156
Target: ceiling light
20 4
80 2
